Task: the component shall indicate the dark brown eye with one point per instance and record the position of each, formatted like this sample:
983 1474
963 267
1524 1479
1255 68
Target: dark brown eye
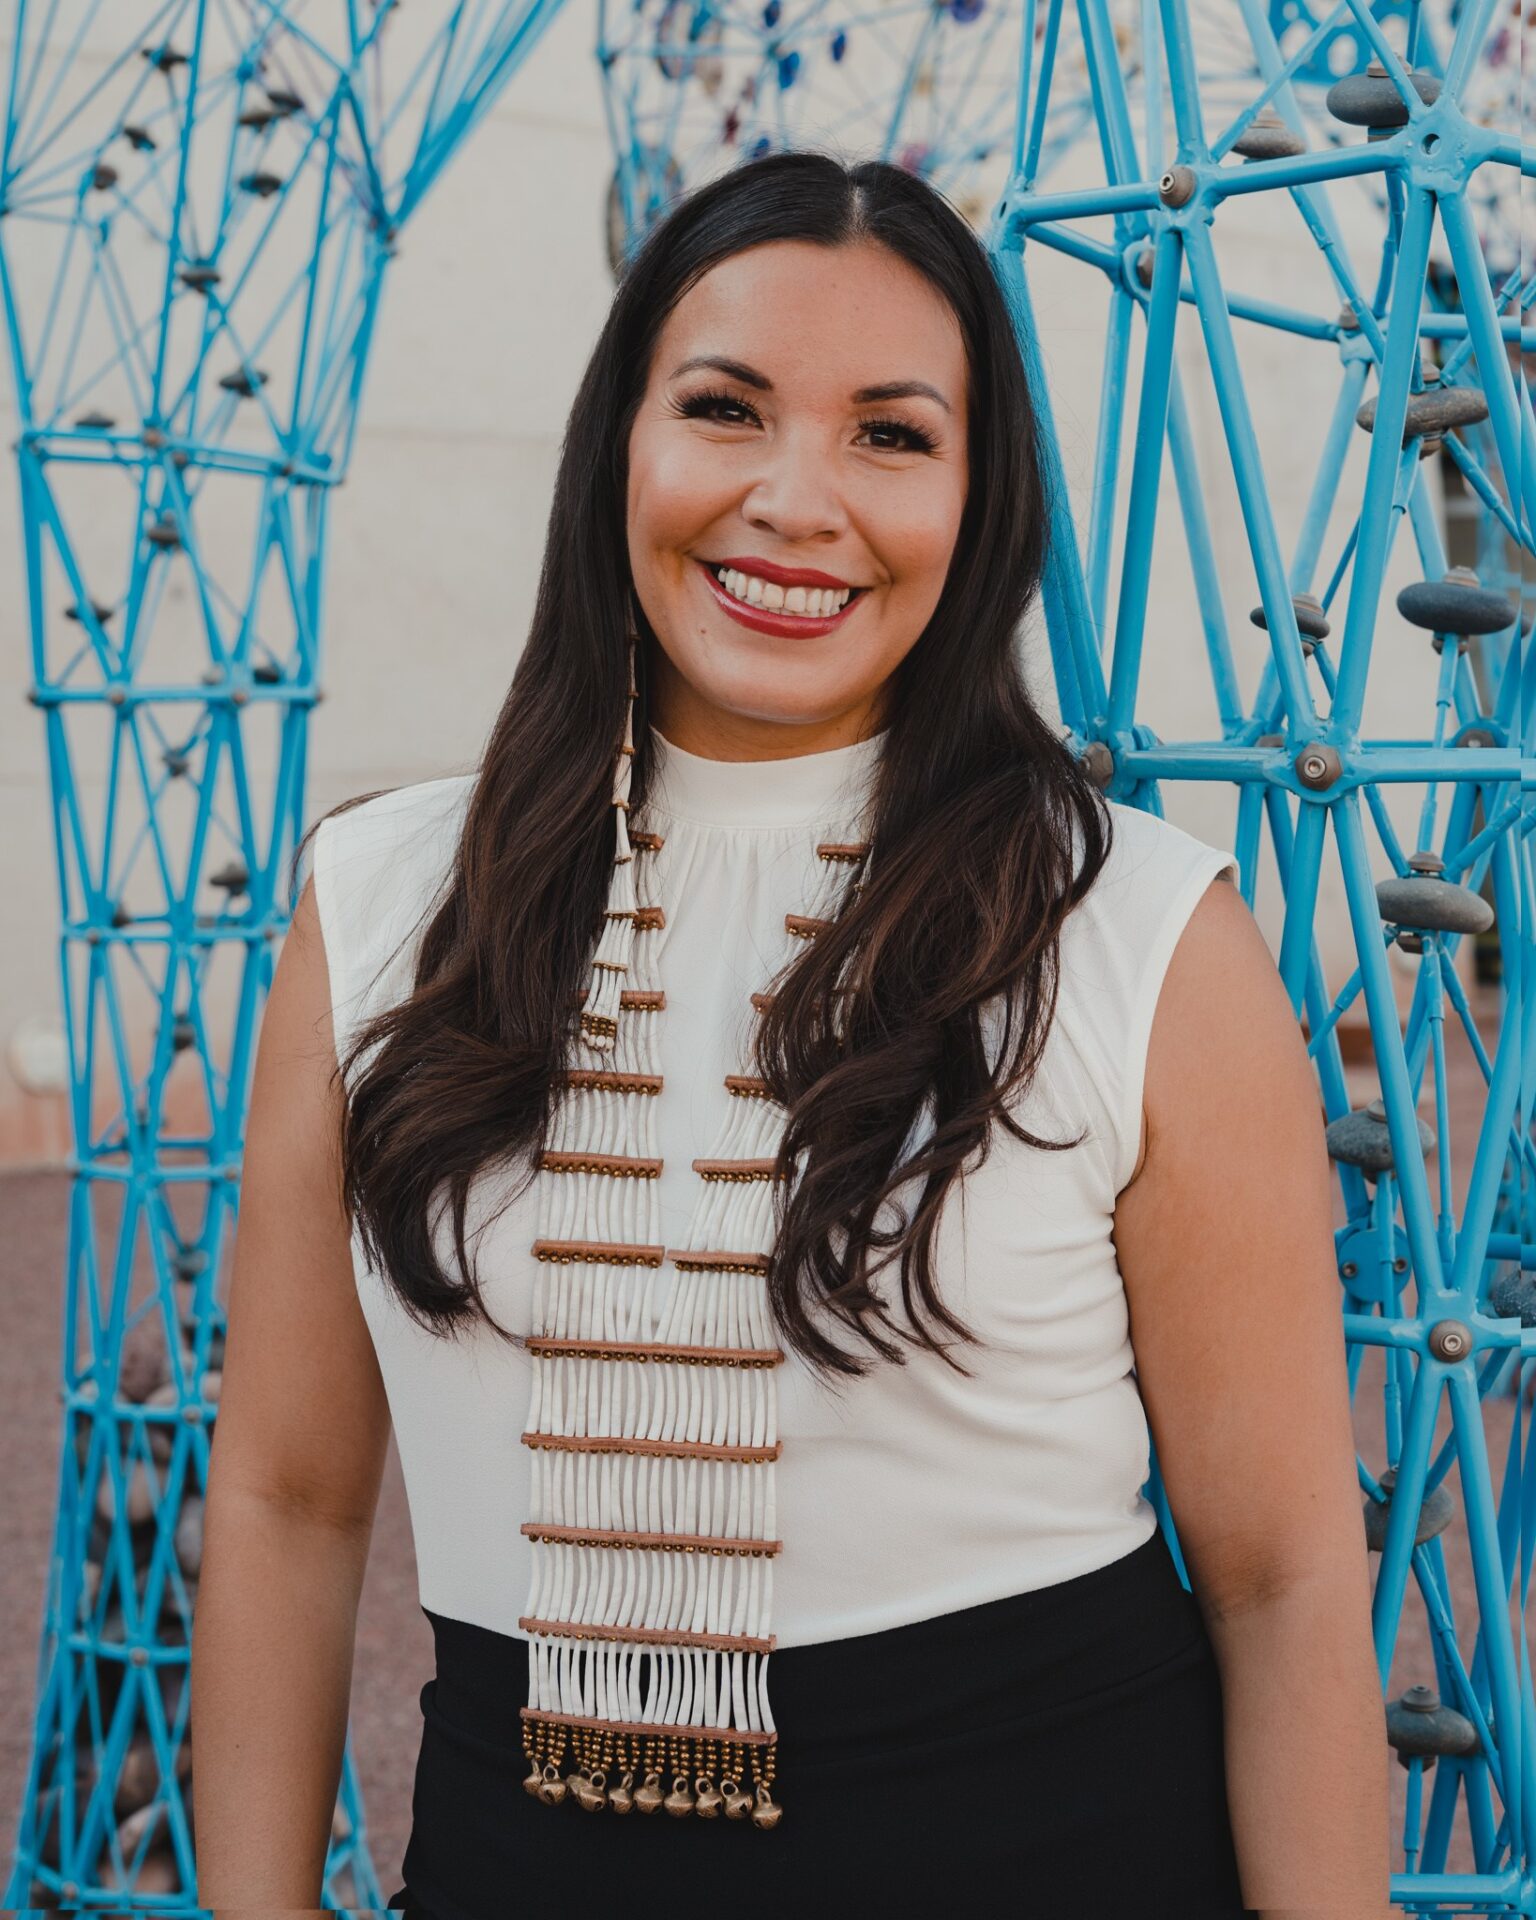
707 403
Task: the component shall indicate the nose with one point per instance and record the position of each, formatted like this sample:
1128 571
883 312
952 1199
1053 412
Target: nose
795 493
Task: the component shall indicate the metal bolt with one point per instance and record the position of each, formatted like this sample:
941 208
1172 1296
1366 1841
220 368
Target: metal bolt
1098 763
1318 765
1450 1340
1177 186
1349 1269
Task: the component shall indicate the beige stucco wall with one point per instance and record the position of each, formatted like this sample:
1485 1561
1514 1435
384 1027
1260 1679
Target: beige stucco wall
494 302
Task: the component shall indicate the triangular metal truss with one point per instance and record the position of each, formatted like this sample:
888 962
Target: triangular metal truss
1431 337
198 206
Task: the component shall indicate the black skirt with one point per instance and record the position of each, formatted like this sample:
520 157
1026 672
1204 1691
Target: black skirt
1063 1746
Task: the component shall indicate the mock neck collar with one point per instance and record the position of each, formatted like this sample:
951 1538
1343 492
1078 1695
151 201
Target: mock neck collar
791 791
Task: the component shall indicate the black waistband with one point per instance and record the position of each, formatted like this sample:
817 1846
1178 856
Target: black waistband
955 1672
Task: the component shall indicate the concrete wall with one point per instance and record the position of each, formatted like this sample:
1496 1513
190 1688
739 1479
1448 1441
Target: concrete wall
492 308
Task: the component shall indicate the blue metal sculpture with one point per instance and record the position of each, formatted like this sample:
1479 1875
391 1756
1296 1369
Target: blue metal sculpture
1190 111
690 86
1432 1280
197 207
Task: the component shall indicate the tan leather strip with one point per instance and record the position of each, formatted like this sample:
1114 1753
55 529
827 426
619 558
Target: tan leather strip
662 1449
605 1253
636 999
803 926
647 842
762 1001
747 1085
666 1542
616 1163
652 1636
843 849
711 1260
646 919
610 1080
685 1356
734 1169
726 1736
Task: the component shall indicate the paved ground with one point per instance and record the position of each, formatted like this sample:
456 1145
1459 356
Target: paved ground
394 1642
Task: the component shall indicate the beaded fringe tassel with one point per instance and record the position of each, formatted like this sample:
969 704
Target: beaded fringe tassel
653 1419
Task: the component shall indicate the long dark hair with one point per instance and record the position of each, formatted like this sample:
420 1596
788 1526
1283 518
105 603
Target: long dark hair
879 1023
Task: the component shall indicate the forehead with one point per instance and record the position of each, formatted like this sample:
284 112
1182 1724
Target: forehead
818 317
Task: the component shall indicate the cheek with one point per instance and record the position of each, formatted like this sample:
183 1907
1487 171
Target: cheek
917 538
672 494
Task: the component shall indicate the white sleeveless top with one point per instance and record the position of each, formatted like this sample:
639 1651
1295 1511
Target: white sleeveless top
912 1491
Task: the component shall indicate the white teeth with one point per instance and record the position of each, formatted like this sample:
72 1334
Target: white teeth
813 602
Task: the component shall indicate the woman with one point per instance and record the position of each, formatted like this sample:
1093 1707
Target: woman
760 1170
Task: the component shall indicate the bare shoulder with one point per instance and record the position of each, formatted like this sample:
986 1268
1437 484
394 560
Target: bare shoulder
303 1420
296 1028
1226 1229
1224 1020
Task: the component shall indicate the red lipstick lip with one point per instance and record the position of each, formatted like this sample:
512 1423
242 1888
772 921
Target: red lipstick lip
783 626
781 576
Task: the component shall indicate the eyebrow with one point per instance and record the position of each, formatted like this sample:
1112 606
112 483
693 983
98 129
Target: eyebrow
750 377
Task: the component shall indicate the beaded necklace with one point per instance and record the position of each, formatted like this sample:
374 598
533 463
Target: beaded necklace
653 1418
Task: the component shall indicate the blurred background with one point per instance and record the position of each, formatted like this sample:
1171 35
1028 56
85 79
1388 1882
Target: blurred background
495 290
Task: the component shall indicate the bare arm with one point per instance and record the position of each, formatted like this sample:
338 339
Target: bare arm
1225 1243
294 1474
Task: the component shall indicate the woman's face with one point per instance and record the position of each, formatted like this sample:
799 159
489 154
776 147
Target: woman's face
776 460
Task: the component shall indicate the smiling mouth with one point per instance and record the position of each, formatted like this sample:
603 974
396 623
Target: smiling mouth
768 607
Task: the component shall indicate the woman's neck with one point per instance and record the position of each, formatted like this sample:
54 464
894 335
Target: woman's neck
699 726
